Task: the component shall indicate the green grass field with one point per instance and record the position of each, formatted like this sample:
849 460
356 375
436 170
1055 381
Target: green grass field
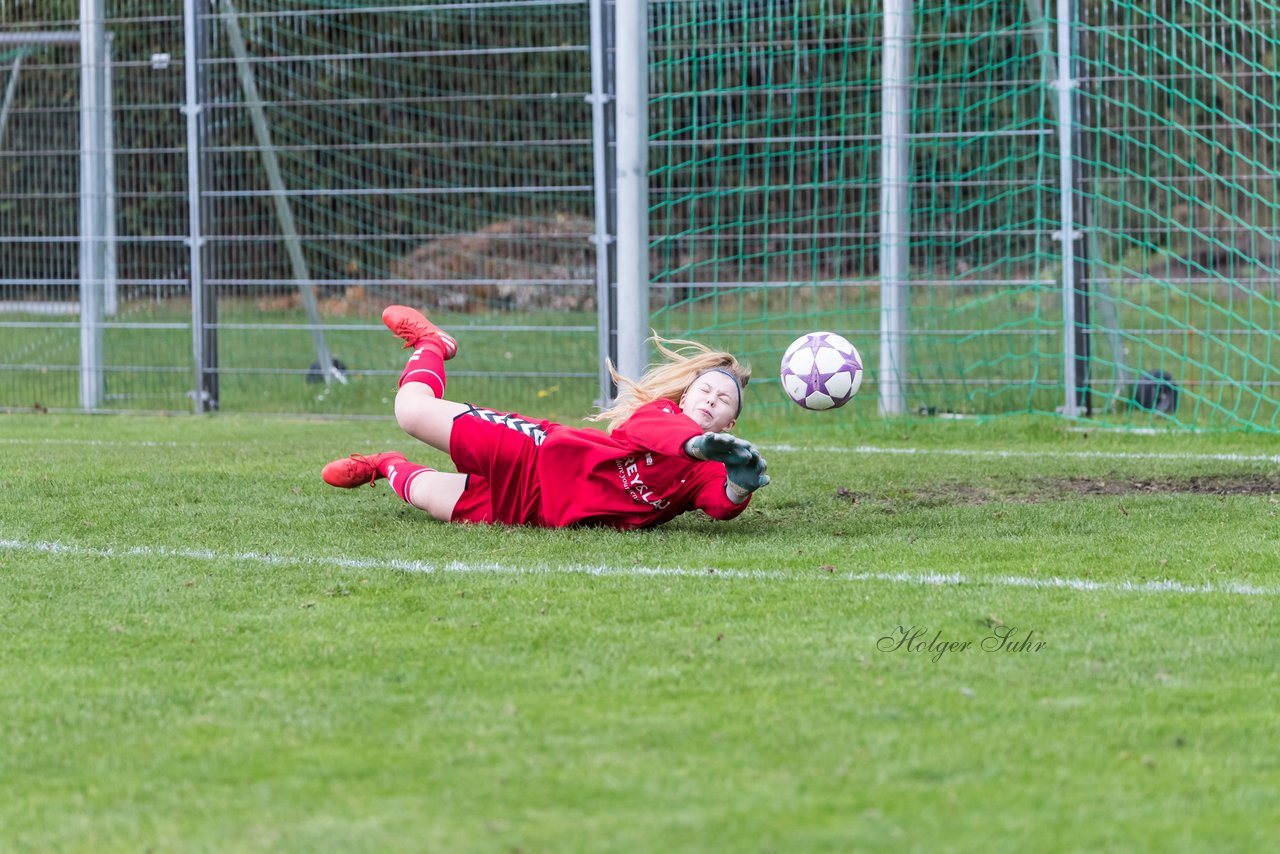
207 649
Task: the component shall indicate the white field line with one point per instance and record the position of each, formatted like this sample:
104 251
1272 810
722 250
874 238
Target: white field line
800 449
925 579
124 443
997 454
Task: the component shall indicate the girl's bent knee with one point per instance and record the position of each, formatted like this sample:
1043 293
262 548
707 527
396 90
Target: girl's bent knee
413 404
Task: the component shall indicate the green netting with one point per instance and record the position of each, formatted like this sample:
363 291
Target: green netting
1180 164
766 178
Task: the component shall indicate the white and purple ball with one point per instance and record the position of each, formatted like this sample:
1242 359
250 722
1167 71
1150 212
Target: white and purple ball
821 370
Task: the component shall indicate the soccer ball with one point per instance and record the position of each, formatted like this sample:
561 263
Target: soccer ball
821 370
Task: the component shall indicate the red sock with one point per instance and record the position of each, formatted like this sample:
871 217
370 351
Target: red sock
400 473
426 365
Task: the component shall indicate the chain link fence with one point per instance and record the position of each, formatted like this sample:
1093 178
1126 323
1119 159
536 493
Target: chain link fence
348 156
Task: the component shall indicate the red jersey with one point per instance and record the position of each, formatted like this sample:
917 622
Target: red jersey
637 476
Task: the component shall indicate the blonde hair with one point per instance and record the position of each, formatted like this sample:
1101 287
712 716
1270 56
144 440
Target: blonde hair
685 362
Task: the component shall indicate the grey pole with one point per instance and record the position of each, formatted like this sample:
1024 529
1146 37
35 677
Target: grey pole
92 202
110 270
195 234
895 204
67 37
9 90
599 99
1066 186
631 41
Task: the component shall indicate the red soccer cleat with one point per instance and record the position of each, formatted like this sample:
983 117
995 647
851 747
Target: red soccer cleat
413 326
356 470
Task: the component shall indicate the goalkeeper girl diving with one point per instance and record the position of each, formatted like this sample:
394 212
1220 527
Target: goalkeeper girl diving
666 449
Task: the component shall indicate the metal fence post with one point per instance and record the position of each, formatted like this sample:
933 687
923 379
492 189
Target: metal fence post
1067 234
93 195
895 204
205 389
601 115
110 269
632 51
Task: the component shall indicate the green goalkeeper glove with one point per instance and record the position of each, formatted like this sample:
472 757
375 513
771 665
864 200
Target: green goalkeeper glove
722 448
746 478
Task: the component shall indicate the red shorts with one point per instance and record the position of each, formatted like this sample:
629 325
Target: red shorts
498 451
